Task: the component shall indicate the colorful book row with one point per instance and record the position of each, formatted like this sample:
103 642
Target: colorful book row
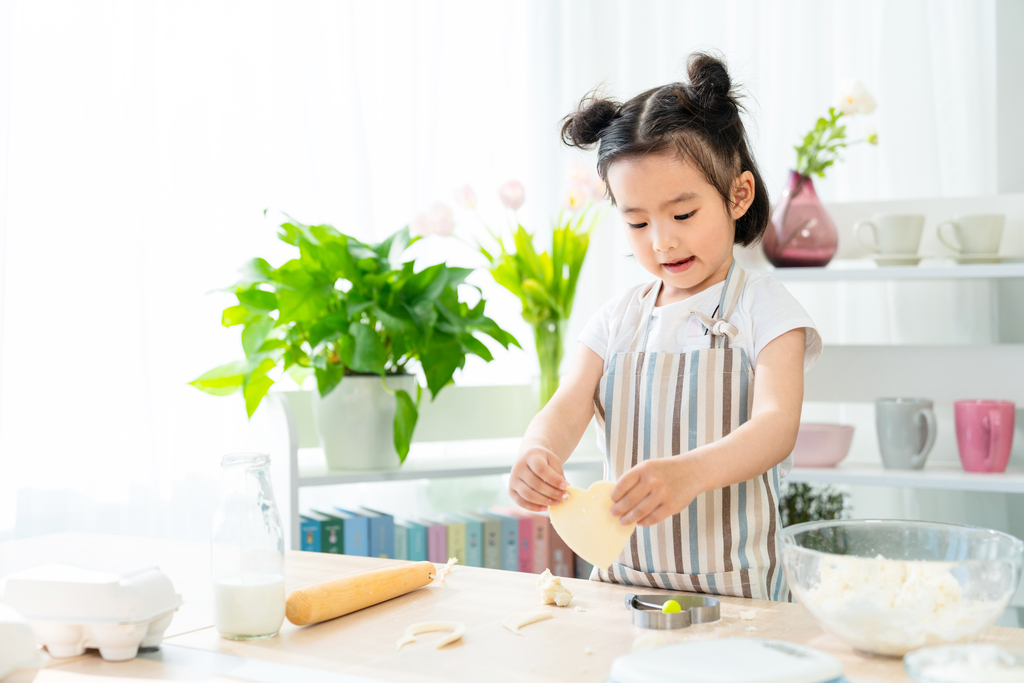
500 538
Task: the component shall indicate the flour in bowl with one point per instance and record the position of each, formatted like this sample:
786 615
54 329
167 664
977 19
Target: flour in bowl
894 606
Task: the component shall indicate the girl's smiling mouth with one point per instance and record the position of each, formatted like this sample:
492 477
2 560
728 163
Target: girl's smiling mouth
679 266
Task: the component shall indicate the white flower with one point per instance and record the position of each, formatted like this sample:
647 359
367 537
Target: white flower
854 99
465 197
512 194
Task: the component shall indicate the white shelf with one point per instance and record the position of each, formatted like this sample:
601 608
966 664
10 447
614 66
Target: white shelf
313 470
935 476
863 269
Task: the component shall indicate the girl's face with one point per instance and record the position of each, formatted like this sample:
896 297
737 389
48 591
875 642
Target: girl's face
676 222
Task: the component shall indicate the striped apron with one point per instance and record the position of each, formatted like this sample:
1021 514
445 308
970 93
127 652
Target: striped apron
656 405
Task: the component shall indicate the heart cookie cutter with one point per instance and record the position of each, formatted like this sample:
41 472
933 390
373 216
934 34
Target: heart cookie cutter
645 610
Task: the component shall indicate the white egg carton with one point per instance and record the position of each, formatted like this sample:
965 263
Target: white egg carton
20 659
116 608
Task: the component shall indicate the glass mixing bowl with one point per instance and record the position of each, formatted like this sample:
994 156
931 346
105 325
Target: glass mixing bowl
889 587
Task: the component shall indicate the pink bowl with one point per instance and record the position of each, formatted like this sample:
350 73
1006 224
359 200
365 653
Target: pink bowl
821 444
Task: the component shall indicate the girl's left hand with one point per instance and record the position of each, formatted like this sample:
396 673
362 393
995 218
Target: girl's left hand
654 490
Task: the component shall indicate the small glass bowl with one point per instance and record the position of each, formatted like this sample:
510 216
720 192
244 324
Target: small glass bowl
974 663
889 587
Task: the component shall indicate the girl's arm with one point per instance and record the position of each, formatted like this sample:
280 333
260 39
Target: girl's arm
537 480
657 489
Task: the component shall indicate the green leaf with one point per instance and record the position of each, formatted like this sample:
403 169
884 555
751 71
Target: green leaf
440 359
301 297
255 272
295 233
405 422
336 321
394 324
346 349
331 257
272 343
394 246
427 284
491 329
329 378
237 315
424 313
223 379
257 300
299 374
476 347
254 392
255 333
368 355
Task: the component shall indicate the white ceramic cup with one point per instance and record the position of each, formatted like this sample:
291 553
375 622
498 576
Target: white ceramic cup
894 233
974 234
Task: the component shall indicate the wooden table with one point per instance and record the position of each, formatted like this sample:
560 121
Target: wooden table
362 645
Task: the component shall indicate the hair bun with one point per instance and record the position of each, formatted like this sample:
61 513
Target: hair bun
584 126
709 80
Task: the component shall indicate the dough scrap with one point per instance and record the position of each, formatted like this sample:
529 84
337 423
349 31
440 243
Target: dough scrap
579 609
517 621
552 591
748 615
444 570
586 524
457 629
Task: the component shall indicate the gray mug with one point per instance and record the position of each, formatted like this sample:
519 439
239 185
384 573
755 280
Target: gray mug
906 432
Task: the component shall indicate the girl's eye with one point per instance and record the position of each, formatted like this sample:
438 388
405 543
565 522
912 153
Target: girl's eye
684 216
637 226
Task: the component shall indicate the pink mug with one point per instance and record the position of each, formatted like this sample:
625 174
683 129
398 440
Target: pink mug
984 433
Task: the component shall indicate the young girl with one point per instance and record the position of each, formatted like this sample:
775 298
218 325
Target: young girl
693 442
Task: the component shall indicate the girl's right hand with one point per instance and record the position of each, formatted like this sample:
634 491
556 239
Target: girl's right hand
537 480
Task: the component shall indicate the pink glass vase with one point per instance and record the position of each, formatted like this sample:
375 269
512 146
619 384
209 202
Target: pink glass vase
801 233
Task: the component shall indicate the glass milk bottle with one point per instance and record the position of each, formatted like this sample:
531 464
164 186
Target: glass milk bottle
248 551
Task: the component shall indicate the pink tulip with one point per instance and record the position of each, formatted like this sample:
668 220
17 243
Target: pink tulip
465 197
579 171
420 226
576 194
441 221
512 194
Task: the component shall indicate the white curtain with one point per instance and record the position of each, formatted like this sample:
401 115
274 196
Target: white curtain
146 139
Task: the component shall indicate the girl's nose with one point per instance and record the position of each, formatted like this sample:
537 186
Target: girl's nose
663 238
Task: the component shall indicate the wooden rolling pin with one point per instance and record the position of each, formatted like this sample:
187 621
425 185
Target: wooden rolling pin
331 599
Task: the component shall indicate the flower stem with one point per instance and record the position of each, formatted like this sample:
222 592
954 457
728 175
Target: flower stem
548 336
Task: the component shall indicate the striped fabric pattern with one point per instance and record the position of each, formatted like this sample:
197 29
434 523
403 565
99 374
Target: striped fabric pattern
655 405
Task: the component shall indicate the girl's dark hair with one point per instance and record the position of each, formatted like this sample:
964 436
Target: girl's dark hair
699 120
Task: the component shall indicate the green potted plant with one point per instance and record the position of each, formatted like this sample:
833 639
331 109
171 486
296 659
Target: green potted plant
801 503
360 319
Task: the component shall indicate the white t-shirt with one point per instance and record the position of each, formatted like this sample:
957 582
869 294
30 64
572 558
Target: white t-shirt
765 311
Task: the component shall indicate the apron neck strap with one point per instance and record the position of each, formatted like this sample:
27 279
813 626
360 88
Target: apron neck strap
734 282
643 321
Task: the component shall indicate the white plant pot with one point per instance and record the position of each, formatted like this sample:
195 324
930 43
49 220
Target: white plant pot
355 422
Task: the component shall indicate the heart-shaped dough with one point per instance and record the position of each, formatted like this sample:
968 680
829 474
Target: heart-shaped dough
586 524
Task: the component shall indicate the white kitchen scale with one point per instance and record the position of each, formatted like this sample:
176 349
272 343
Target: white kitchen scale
728 660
